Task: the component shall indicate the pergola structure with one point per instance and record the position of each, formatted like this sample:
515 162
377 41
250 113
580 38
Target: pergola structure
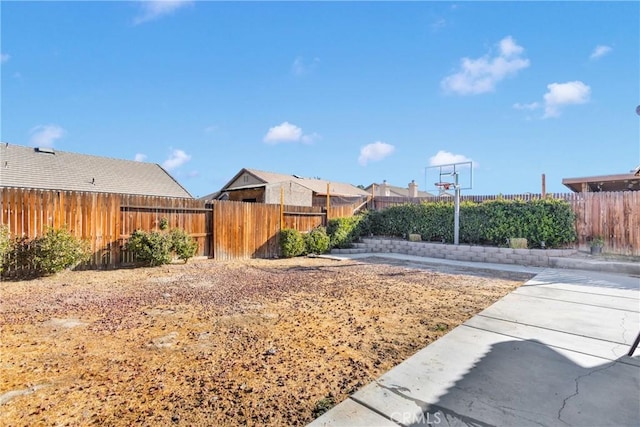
619 182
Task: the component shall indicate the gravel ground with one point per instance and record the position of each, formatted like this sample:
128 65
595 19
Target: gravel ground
258 342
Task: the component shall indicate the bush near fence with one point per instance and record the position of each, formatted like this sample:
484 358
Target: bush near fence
490 223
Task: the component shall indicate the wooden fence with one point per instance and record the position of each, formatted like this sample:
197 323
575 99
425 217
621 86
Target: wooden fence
613 215
105 220
230 230
223 230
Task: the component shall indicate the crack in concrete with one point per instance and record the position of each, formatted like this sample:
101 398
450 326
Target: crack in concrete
577 389
516 412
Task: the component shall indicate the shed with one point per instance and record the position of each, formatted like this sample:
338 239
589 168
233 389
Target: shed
251 185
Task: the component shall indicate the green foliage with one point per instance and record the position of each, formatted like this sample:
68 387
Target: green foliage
292 243
163 224
183 245
323 405
597 241
492 222
317 241
549 220
6 246
158 248
344 231
152 248
56 250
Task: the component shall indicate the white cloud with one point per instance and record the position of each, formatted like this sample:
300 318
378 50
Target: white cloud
154 9
176 159
481 75
288 132
531 106
375 152
600 51
4 57
561 94
140 157
300 67
446 158
438 25
45 135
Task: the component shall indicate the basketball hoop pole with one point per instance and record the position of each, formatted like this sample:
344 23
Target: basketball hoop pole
456 210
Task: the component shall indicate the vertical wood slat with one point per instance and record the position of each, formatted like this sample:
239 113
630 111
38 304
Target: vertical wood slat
229 230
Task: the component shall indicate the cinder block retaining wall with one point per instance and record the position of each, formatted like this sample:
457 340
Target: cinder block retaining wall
531 257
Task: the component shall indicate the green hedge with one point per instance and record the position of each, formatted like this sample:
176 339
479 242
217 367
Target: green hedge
488 223
344 231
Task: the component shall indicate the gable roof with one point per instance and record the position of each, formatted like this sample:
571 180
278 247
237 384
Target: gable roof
28 167
318 186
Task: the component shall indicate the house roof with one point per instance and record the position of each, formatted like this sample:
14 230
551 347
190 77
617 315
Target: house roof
45 168
318 186
618 182
396 191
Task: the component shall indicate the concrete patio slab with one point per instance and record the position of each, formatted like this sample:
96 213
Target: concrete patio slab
553 352
557 339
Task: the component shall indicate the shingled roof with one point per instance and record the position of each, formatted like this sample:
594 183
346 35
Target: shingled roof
318 186
45 168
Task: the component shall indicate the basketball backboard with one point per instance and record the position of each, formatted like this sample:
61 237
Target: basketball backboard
446 177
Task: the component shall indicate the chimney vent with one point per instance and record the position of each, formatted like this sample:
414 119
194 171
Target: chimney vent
413 188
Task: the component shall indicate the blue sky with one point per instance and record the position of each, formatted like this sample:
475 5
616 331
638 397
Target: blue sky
355 92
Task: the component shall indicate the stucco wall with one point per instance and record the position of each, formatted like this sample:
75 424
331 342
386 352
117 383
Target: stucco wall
294 194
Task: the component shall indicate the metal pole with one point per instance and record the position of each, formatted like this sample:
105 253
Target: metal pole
456 215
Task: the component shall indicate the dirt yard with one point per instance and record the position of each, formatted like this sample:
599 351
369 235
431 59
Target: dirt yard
261 342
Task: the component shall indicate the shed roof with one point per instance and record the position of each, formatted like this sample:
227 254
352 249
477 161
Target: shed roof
45 168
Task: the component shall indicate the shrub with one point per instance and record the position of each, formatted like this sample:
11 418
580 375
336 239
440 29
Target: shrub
152 248
182 244
292 244
344 231
6 246
56 250
317 241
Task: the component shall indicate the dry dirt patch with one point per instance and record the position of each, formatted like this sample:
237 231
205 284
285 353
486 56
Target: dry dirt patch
260 342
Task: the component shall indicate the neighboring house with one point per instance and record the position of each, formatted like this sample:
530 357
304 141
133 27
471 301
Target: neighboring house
620 182
386 190
49 169
250 185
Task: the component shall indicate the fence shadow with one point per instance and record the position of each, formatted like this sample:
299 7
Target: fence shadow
529 383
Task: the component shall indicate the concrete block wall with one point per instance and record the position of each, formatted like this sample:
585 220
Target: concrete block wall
531 257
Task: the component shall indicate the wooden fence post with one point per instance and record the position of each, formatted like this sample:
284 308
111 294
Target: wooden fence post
281 207
326 218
